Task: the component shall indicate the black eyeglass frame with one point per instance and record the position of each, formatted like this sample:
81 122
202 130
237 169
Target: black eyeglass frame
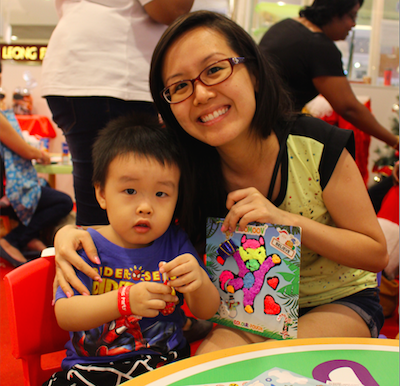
232 62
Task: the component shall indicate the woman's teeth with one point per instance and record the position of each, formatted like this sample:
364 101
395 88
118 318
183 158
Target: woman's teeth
213 115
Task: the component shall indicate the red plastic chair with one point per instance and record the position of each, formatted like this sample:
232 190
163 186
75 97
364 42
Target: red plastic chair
33 326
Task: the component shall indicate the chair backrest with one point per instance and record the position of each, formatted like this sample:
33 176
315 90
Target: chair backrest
33 326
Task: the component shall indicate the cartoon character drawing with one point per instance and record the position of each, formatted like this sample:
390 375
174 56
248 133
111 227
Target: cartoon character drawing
287 239
228 307
136 275
232 306
287 322
253 264
223 309
120 336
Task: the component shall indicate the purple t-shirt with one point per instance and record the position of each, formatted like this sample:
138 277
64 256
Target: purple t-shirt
128 337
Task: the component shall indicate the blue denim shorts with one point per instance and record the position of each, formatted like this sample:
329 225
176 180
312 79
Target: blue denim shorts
366 304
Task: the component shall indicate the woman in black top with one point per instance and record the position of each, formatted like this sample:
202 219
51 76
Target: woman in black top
305 54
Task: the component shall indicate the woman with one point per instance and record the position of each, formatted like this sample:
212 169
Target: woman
35 206
310 63
255 161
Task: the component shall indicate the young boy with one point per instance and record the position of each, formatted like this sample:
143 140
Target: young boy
132 322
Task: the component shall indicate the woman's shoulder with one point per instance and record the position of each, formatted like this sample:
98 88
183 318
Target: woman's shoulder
320 130
306 123
324 132
285 28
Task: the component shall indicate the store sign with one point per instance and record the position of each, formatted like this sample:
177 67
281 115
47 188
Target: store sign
24 53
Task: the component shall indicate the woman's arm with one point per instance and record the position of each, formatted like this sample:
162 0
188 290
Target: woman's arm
10 138
357 241
338 92
165 12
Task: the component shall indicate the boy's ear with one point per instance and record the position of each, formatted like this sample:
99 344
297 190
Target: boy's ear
100 196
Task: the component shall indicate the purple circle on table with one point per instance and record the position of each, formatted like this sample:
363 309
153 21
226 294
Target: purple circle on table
322 372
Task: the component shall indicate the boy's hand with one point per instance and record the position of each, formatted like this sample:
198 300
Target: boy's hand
184 273
147 299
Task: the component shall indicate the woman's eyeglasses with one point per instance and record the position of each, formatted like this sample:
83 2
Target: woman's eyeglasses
214 74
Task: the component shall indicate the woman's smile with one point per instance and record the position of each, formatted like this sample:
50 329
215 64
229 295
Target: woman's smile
211 117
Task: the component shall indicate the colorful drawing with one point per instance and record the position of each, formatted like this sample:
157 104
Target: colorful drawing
287 322
257 279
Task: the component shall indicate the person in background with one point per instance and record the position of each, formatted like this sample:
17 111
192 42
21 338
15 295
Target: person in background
308 60
97 68
34 205
256 160
132 322
378 191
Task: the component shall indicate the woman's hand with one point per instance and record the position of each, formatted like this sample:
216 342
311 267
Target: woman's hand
43 158
249 205
66 242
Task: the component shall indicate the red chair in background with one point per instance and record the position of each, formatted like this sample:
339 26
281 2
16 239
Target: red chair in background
33 326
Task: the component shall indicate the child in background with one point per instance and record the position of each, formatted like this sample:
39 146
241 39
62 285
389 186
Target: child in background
132 322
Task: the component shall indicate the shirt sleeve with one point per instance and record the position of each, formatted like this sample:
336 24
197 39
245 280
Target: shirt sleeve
326 57
334 140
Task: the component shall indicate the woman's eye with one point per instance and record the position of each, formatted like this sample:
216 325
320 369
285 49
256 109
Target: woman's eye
130 191
161 194
214 70
179 88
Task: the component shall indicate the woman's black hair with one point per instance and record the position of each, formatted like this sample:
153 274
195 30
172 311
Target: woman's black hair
142 135
273 105
271 101
321 12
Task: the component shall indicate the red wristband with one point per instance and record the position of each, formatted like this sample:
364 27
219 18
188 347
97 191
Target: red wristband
124 306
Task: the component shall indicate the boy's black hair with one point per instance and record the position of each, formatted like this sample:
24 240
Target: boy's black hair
321 12
142 135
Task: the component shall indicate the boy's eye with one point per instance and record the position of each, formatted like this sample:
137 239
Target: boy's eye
130 191
161 194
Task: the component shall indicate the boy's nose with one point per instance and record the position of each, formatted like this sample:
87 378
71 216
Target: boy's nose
144 208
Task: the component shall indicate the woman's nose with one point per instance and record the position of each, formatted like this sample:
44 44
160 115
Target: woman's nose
202 93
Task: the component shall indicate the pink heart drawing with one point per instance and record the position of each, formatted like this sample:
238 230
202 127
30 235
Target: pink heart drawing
270 306
273 282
